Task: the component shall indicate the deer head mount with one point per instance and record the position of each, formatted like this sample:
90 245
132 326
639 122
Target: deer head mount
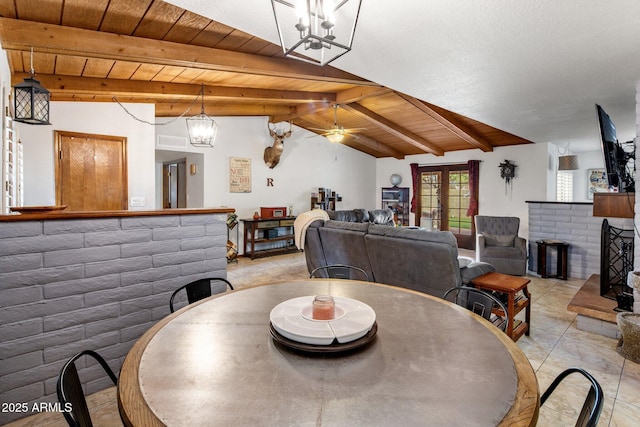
272 154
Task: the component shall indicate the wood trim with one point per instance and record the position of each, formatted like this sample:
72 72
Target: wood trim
614 205
64 215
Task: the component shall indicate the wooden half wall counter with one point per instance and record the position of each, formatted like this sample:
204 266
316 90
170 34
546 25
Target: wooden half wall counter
72 281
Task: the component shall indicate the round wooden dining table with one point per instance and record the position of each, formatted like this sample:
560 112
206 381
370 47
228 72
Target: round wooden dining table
215 363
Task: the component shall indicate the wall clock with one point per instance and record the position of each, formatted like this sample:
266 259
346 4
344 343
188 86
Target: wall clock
507 171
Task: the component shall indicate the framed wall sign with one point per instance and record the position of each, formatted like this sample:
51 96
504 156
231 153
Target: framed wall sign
239 175
596 182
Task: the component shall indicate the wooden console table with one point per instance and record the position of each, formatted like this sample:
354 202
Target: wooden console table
561 266
510 285
268 236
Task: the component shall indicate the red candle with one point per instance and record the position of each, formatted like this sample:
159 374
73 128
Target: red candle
324 308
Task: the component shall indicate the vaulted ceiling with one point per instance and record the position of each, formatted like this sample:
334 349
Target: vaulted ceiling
151 51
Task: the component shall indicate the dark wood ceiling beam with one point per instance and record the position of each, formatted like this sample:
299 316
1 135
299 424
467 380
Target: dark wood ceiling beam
56 39
449 121
58 84
393 128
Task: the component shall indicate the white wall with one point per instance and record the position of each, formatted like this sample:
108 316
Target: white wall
308 162
95 118
530 183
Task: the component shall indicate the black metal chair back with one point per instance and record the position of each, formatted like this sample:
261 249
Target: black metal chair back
198 290
480 302
593 403
340 271
70 393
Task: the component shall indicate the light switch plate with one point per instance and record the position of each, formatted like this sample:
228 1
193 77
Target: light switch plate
137 201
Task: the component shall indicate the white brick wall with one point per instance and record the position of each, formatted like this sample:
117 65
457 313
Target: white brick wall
99 284
575 224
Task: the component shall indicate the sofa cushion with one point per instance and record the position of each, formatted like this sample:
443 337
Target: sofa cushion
343 243
499 239
381 216
354 215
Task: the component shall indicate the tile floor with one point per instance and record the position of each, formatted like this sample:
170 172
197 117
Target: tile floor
554 345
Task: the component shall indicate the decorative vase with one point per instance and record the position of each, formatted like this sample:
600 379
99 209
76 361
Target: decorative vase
256 215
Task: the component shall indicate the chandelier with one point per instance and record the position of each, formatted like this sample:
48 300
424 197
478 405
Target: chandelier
316 31
202 128
31 100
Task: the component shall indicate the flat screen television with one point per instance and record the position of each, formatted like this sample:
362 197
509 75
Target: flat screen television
616 159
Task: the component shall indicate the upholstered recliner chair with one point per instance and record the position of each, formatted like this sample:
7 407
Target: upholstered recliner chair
498 244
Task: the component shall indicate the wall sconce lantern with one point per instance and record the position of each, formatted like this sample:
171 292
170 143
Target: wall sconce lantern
316 31
31 100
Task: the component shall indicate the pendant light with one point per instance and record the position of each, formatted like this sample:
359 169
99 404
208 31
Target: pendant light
31 100
202 128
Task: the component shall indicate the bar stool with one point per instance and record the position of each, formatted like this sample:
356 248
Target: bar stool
562 261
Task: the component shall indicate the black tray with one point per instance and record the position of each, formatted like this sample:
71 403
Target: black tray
334 347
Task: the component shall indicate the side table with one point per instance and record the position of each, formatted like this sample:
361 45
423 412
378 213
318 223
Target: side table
563 255
510 285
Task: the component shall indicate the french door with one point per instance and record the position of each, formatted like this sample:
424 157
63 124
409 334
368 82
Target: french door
443 201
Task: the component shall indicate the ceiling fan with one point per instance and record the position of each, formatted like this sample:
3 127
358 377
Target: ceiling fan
337 133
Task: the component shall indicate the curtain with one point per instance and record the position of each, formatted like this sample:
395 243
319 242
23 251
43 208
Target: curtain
474 182
414 180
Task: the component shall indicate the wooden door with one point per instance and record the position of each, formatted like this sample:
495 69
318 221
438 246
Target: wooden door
91 171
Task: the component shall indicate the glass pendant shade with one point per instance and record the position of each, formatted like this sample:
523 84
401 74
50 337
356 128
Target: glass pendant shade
316 31
202 130
31 102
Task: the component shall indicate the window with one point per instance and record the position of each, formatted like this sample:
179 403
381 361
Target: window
564 186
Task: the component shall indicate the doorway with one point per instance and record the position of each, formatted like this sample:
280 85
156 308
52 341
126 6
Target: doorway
444 196
91 171
174 184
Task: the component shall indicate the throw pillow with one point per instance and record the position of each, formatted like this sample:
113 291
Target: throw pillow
464 261
499 239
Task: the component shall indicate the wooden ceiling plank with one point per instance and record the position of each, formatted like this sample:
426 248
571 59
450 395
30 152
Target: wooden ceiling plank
450 122
124 16
146 72
16 34
158 20
212 35
359 93
234 40
393 128
123 70
97 67
168 74
7 9
186 28
84 13
49 11
70 65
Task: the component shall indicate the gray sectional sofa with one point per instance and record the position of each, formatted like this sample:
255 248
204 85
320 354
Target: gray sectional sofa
425 261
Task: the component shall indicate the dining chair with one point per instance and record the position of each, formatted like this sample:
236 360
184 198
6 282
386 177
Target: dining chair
593 403
340 271
480 302
199 289
70 393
